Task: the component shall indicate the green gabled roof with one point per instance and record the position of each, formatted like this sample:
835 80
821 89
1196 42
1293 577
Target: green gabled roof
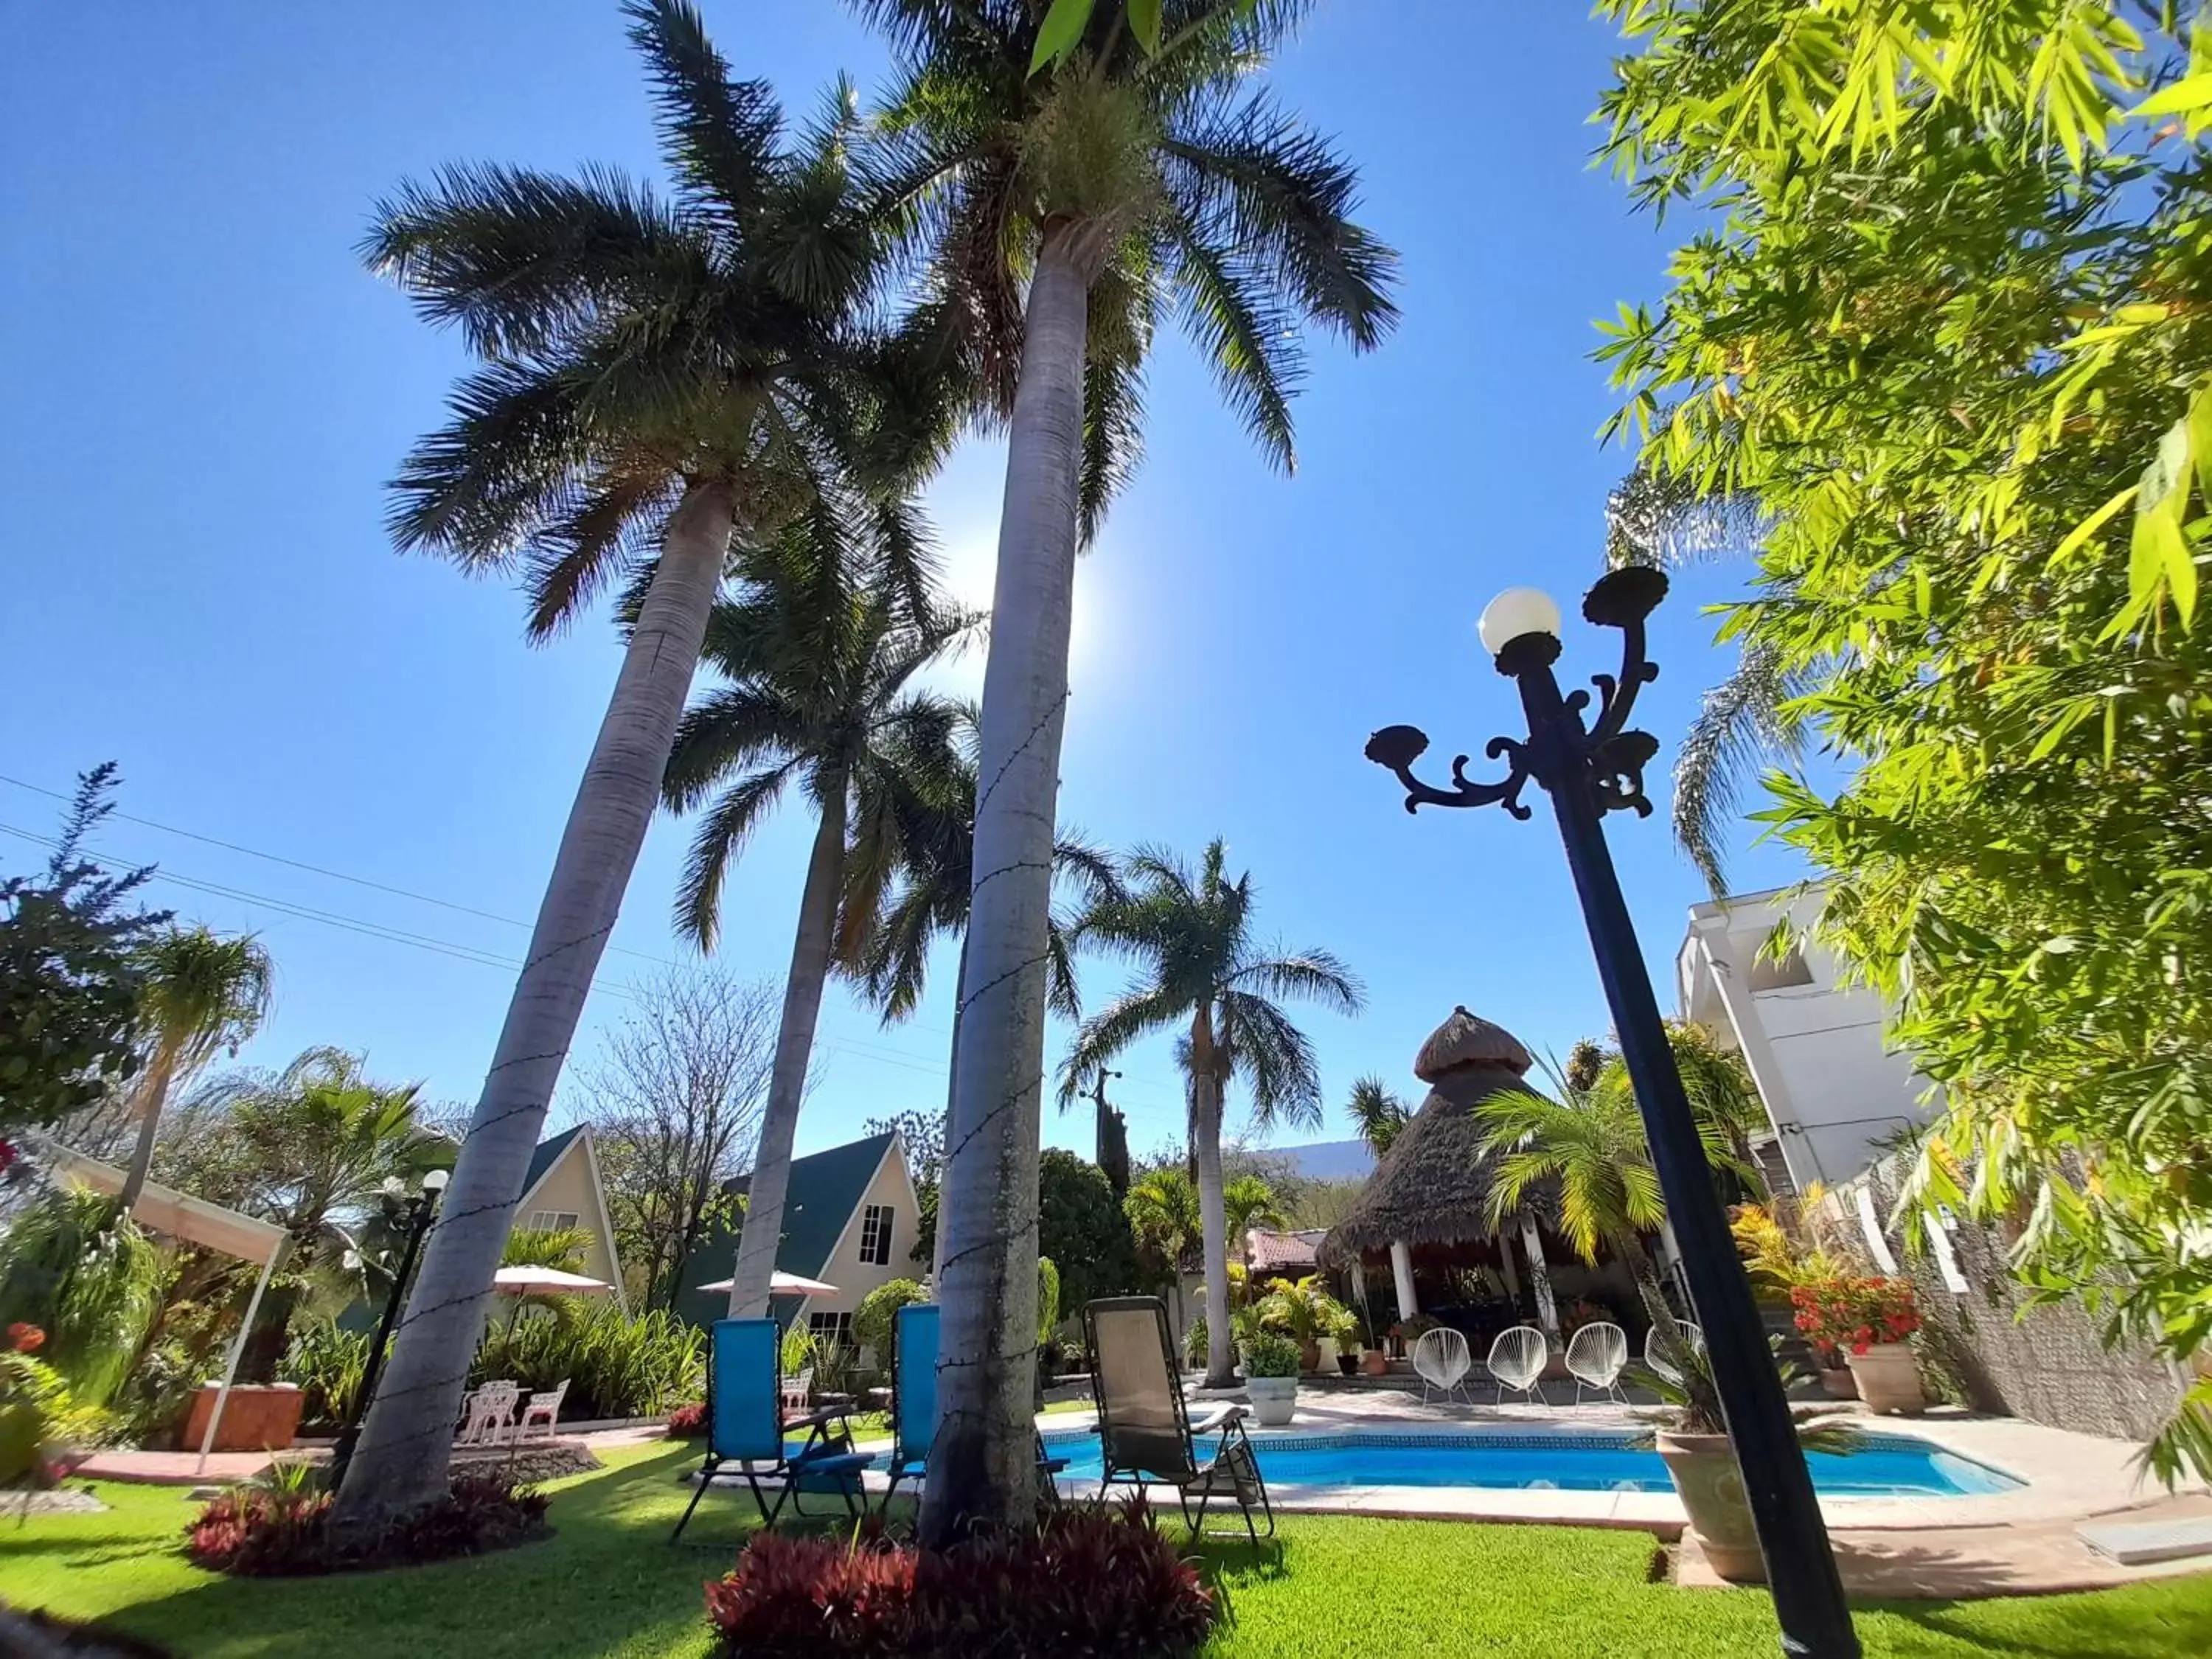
825 1188
548 1153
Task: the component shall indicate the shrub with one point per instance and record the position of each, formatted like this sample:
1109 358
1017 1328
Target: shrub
284 1531
615 1365
688 1422
1270 1354
1195 1340
37 1413
328 1363
1091 1579
1853 1313
87 1277
873 1321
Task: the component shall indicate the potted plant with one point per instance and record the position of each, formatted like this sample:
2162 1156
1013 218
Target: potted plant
1305 1312
1777 1268
1870 1322
1345 1329
1271 1377
1374 1355
1694 1445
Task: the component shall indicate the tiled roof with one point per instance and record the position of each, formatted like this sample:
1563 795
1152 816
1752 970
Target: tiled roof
1282 1253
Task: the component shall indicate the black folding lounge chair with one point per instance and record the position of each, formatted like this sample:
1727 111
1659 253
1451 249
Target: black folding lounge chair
1146 1434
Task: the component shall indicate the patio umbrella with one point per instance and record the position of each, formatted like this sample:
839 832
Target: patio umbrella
780 1284
546 1281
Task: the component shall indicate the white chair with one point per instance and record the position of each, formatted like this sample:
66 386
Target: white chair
1516 1361
542 1408
1442 1361
1656 1354
487 1415
799 1390
1596 1354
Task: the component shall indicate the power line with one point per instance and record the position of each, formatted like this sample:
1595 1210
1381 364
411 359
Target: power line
315 869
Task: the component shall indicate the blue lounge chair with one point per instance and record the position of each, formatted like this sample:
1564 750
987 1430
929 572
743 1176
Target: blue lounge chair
746 1424
914 1401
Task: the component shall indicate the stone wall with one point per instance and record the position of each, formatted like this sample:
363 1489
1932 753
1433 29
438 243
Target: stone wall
2048 1364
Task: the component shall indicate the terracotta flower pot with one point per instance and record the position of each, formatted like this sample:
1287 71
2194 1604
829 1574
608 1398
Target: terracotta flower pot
1309 1356
1374 1362
1711 1485
1888 1378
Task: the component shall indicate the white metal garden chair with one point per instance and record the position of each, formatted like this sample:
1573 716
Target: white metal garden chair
540 1413
1516 1361
1442 1361
1596 1354
1657 1355
797 1390
487 1415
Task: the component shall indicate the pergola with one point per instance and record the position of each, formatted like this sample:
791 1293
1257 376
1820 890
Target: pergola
179 1215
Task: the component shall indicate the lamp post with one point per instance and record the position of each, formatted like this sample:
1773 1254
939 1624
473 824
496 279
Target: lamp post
1589 770
417 1213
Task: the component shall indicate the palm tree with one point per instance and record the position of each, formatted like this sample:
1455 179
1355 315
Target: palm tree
1378 1114
1192 936
818 668
1054 216
661 373
1717 1083
1163 1215
930 897
1590 1148
319 1145
199 993
1247 1202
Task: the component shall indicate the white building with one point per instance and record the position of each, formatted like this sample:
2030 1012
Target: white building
1834 1089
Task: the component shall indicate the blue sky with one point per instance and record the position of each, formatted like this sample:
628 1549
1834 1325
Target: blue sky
205 393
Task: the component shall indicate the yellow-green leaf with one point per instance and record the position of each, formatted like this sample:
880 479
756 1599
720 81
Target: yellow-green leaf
1060 32
2191 92
1145 23
2090 525
2200 438
2165 483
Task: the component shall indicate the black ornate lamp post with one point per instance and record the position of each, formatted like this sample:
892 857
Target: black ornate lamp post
415 1213
1589 771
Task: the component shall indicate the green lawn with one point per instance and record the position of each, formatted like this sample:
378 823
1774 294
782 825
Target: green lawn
609 1583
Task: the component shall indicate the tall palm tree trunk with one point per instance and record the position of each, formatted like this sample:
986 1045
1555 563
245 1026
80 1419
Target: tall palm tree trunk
762 1234
982 1462
944 1136
1213 1223
403 1458
151 1099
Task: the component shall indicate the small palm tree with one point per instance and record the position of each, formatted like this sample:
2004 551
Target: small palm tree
558 1248
1591 1149
1191 935
1058 210
1378 1114
817 669
661 373
1247 1202
200 993
1717 1083
1163 1215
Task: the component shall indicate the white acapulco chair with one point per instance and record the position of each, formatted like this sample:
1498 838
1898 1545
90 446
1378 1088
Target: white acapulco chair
1656 1354
1596 1355
1442 1361
1516 1361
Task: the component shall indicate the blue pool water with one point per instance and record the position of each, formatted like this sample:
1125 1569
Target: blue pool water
1885 1465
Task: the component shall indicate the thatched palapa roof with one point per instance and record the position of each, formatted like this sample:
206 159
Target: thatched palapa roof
1433 1187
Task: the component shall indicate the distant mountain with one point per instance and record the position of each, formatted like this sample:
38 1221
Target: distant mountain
1329 1160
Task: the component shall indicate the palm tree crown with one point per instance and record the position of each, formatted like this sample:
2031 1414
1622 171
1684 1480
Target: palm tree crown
199 993
1198 195
1190 934
640 346
1378 1114
818 664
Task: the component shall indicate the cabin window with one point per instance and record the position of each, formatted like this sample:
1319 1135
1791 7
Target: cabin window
876 1235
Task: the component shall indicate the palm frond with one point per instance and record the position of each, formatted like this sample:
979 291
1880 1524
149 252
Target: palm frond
721 836
1317 976
1135 1013
1275 1059
720 134
1743 724
1246 334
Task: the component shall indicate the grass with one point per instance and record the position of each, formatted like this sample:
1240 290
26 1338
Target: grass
610 1585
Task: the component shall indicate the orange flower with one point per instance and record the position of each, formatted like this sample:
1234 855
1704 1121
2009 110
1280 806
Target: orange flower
24 1337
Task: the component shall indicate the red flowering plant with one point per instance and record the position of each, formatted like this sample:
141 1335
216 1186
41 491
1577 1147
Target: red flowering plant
24 1337
1855 1314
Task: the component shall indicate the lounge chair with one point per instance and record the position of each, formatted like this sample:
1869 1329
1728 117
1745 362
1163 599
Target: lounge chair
1516 1361
745 1425
1657 1356
1442 1361
1596 1354
913 1402
1146 1433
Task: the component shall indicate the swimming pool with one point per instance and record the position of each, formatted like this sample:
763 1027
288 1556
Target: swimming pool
1884 1466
